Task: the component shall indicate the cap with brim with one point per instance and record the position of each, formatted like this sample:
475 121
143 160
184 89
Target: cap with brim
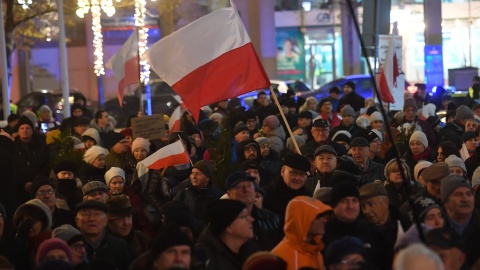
296 161
325 149
237 177
371 190
359 141
320 123
91 204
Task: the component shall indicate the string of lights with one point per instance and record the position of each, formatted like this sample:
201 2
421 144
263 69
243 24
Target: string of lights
140 13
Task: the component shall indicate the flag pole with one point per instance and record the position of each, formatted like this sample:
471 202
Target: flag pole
285 120
191 163
140 87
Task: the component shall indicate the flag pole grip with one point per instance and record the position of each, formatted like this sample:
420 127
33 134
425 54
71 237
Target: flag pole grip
284 119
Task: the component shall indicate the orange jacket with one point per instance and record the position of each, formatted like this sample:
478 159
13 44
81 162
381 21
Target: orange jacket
293 249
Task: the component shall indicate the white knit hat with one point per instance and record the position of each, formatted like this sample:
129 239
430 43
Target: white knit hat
92 133
92 153
141 143
114 171
454 161
422 164
419 136
376 116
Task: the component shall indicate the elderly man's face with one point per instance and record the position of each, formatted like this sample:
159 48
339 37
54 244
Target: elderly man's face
173 257
243 191
460 202
320 134
293 178
46 194
265 149
325 162
121 226
375 210
91 222
25 132
360 154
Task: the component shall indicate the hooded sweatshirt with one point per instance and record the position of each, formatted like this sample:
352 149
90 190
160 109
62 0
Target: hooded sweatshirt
293 249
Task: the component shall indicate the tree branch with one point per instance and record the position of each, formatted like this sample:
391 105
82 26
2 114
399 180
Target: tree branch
33 16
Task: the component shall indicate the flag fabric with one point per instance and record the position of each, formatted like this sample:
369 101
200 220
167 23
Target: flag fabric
389 73
209 60
125 65
174 121
172 154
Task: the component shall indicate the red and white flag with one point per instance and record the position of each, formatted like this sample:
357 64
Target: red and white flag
389 73
174 121
209 60
172 154
125 65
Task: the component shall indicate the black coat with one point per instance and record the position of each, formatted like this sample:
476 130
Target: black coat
62 216
377 252
29 160
472 163
199 199
278 195
325 181
267 228
353 99
453 132
92 173
111 248
164 188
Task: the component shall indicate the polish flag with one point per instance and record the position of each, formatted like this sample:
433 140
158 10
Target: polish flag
209 60
172 154
389 73
125 65
174 121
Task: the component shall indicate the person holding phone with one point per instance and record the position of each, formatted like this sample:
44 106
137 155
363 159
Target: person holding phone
45 121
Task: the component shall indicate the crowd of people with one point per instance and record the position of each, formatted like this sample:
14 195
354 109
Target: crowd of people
312 184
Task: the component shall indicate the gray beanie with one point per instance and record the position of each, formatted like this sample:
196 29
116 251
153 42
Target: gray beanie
376 116
262 140
419 136
450 183
44 108
300 141
454 161
67 233
463 113
347 110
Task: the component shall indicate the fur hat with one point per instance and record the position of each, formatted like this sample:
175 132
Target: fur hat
49 245
39 207
93 152
222 213
450 183
119 206
348 110
463 113
271 122
376 116
206 167
409 102
140 142
419 136
112 172
454 161
67 233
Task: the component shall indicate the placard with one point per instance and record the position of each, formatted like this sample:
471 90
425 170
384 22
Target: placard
148 127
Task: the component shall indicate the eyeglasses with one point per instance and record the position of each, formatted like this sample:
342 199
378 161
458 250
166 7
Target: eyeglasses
79 247
324 131
294 173
250 149
44 192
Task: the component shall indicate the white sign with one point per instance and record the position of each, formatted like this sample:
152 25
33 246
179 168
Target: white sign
383 43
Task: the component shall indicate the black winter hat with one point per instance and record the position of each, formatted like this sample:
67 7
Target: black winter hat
305 114
38 182
169 236
296 161
178 213
24 120
206 167
351 84
65 165
342 247
323 101
222 213
114 138
342 190
239 128
81 121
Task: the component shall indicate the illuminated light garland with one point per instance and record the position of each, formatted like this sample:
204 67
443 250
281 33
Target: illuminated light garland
139 17
97 38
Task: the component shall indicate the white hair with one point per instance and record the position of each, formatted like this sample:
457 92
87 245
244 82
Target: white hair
403 258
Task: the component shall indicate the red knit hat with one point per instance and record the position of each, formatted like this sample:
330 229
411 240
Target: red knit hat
52 244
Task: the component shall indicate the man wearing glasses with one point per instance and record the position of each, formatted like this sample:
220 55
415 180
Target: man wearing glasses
320 133
42 188
289 184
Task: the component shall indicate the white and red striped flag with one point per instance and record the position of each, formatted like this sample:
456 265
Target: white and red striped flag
389 73
172 154
209 60
125 65
174 121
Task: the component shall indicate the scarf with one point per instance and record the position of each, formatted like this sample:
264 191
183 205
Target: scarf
423 156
